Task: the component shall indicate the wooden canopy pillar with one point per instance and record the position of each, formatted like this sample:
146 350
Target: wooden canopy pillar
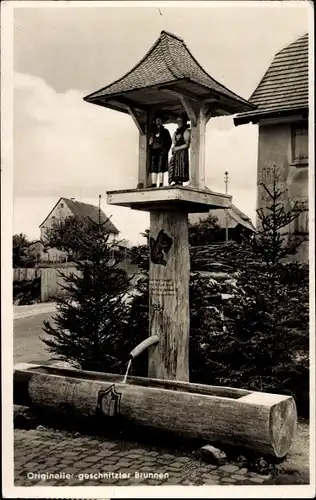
142 121
143 159
197 148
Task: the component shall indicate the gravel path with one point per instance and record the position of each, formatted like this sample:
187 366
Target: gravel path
20 312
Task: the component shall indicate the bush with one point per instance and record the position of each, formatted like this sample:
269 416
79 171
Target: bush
259 348
27 292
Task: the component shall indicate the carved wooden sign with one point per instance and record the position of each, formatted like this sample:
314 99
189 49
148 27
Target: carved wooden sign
108 403
162 287
160 247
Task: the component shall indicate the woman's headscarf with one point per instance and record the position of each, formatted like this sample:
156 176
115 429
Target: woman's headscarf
185 125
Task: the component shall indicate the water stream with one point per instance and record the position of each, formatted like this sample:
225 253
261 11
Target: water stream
127 370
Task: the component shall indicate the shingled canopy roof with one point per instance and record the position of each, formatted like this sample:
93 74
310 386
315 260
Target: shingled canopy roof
284 88
165 72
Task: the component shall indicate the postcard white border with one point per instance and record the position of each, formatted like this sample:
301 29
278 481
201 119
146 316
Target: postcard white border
11 491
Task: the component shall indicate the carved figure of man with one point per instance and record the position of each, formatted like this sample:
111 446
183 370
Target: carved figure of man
178 171
160 144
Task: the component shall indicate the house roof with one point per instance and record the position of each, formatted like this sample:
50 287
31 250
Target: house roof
284 87
168 68
85 210
235 217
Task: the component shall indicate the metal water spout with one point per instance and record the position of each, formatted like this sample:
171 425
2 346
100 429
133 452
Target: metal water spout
152 340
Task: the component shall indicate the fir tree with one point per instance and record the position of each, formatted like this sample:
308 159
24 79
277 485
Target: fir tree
272 241
91 321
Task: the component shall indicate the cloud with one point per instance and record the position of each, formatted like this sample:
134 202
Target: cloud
232 149
64 146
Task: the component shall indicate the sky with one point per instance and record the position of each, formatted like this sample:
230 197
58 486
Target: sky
64 146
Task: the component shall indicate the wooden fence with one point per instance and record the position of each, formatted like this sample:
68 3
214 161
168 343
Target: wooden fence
52 282
25 273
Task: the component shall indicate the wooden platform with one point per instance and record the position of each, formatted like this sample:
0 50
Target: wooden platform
178 198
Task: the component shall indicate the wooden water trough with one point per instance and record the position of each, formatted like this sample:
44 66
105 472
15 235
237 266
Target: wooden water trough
262 422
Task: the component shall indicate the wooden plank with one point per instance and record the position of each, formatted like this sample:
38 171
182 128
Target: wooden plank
209 113
52 282
122 101
144 199
169 314
187 102
143 152
190 111
25 366
137 121
267 429
211 390
180 93
142 160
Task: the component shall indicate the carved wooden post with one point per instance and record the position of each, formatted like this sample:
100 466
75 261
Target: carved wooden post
169 313
197 149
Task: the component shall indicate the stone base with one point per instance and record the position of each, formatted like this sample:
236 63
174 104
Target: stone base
179 198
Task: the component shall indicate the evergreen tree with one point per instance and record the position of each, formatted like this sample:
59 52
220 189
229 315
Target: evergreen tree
20 245
264 345
272 241
91 321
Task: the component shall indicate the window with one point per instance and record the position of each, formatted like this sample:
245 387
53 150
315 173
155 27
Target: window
300 144
61 205
300 224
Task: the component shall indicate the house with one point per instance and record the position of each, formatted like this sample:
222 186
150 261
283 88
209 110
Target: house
64 208
282 118
43 254
234 219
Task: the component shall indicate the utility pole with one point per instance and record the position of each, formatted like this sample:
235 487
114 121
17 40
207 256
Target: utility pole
99 210
226 213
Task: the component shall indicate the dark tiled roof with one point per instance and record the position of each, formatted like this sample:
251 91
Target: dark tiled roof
85 210
169 60
235 217
284 86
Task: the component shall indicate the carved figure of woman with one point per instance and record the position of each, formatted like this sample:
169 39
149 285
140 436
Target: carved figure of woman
160 144
178 171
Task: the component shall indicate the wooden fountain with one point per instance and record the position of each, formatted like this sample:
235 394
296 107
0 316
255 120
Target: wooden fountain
169 80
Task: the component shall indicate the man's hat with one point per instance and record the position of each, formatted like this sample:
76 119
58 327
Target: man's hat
161 116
